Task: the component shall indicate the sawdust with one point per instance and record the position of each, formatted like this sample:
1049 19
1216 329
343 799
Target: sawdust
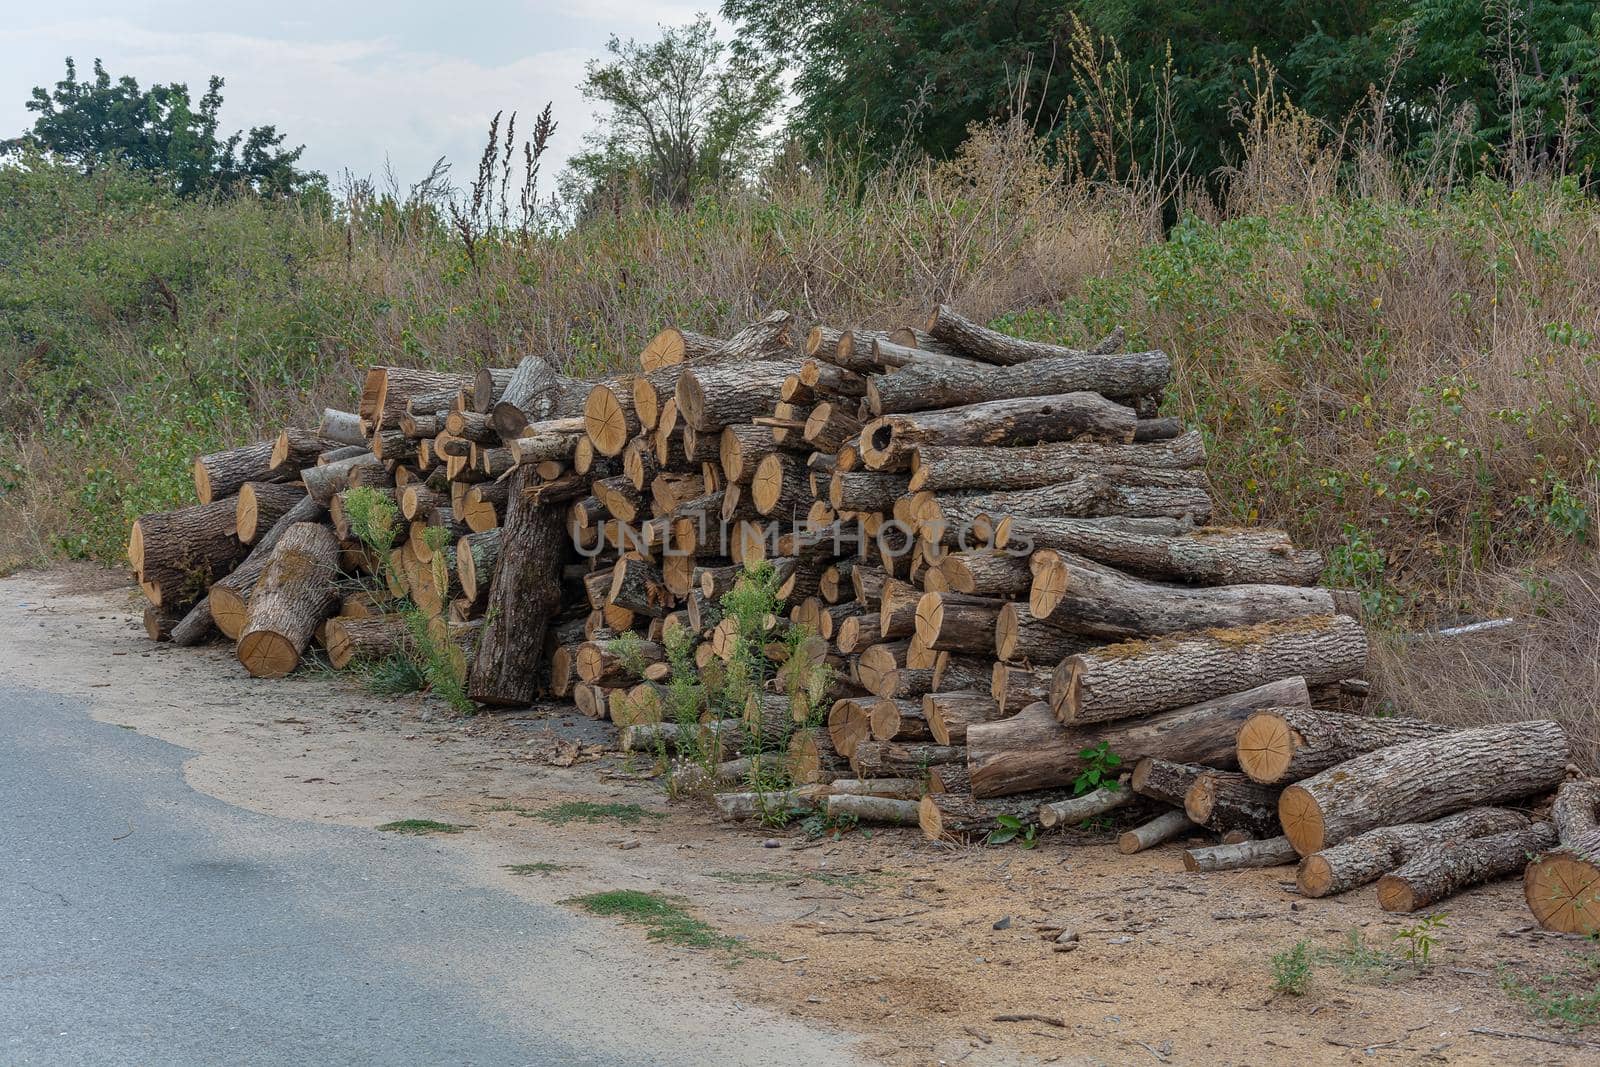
916 947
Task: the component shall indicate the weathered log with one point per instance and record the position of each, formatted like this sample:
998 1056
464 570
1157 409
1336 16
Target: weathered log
946 467
322 482
1256 852
1164 780
1423 779
1287 744
523 597
735 807
1031 750
341 427
971 339
1441 871
947 385
293 449
951 816
1159 830
889 788
177 554
226 604
1562 886
1093 495
889 811
637 586
1366 857
888 442
533 393
890 759
294 594
1225 801
718 395
1140 677
1075 810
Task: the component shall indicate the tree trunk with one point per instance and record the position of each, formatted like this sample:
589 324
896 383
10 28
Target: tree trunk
948 385
1563 886
1422 780
888 811
524 596
261 504
295 593
1263 852
1442 871
1031 750
890 440
954 621
1157 831
1225 801
1288 744
1366 857
365 640
177 554
948 714
1097 601
890 759
711 397
1077 809
1165 780
1140 677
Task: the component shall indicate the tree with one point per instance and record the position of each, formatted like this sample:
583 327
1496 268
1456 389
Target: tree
683 113
100 122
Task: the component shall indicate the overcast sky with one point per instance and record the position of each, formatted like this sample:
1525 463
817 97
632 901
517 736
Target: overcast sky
355 81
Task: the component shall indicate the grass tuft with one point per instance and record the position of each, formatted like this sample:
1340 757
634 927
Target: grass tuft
539 867
666 918
586 811
422 826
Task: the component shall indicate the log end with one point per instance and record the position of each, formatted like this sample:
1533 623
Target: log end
1302 820
1128 843
1265 747
229 611
266 654
930 818
136 546
605 421
1395 894
691 400
1049 584
1563 891
202 482
1315 877
766 485
1007 630
663 350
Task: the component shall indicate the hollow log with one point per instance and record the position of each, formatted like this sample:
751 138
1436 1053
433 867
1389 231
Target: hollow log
932 385
888 442
1140 677
1423 779
1562 886
524 596
1031 750
295 593
1157 831
718 395
1365 857
1075 810
1441 871
1256 852
1288 744
1225 801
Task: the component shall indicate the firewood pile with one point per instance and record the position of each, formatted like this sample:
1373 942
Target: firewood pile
1001 552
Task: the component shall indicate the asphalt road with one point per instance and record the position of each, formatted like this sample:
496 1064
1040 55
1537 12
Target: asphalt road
142 922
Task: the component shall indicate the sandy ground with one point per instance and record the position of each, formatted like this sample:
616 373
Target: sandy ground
913 947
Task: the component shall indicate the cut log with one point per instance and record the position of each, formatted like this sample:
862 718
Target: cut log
295 593
534 393
952 816
226 604
477 555
1441 871
222 474
892 719
948 714
1031 750
890 759
1098 495
1099 601
365 640
609 417
341 427
888 442
957 622
260 505
1164 780
293 449
177 554
946 385
780 487
600 663
1021 636
1225 801
395 386
865 490
523 597
946 467
1263 852
711 397
888 811
672 346
1203 556
735 807
1014 687
987 574
991 346
1366 857
637 586
1422 780
1075 810
1157 831
322 482
1288 744
1562 886
812 757
1140 677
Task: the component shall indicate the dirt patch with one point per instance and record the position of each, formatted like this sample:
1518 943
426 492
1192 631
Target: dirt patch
914 946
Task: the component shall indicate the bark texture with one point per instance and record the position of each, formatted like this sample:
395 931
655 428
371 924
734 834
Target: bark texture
1440 871
1288 744
295 593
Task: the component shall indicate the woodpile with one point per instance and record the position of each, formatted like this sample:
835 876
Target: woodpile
1028 605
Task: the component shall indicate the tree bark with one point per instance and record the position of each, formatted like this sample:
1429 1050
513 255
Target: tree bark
177 554
1288 744
523 597
987 574
1262 852
889 441
1226 801
711 397
890 759
1365 857
226 604
1562 886
536 392
928 386
1441 871
1422 780
295 448
1099 601
865 490
1157 831
1076 809
324 481
1203 556
341 427
294 594
1140 677
1165 780
1031 750
397 385
947 325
